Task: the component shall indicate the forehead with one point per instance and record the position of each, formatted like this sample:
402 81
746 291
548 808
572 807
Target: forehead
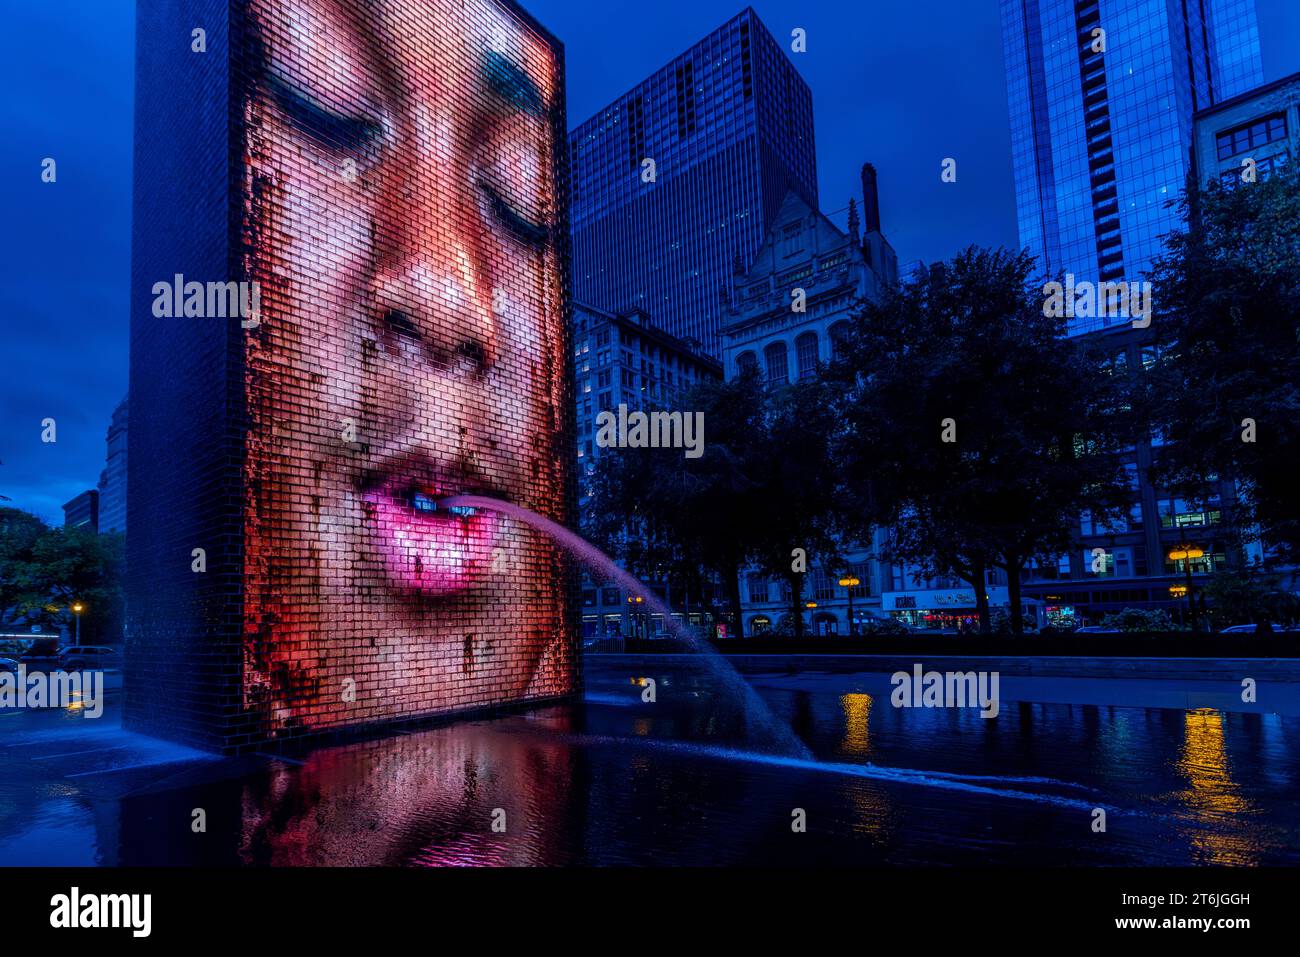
470 31
493 26
410 35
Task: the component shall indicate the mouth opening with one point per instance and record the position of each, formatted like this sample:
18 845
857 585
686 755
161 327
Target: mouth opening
430 504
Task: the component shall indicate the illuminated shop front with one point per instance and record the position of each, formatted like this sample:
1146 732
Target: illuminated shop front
945 609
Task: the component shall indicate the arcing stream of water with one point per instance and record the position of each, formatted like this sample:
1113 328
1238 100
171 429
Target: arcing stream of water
767 732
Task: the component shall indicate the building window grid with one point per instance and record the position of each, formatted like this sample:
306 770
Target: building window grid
1248 136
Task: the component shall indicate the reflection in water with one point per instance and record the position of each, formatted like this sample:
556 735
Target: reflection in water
871 807
1212 797
472 796
857 714
619 780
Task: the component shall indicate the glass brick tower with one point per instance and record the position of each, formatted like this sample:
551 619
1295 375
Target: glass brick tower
1101 134
729 126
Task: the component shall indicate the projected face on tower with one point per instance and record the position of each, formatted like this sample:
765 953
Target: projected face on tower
400 218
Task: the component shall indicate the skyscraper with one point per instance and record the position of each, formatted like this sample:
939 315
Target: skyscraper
82 511
112 481
1102 95
680 177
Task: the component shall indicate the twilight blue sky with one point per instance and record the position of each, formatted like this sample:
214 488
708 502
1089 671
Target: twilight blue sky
903 85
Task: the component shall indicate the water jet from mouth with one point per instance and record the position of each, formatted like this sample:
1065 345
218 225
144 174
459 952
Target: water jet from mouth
766 730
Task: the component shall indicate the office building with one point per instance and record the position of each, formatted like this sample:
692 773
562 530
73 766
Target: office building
624 359
680 178
833 273
1102 95
112 480
82 511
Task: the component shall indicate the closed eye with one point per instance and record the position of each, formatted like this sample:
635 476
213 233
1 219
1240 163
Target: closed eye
518 225
330 129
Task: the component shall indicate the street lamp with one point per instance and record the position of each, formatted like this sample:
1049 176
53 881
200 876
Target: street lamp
1176 592
634 600
76 610
1185 553
850 582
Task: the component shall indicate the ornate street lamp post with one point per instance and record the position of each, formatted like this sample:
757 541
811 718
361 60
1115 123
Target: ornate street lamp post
1185 553
850 582
635 601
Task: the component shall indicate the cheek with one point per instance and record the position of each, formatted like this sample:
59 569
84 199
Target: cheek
326 223
527 313
315 253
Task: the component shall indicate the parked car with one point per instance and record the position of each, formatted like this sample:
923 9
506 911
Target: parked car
90 656
42 655
1239 630
1096 630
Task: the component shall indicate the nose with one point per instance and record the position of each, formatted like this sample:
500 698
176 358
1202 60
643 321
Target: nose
431 279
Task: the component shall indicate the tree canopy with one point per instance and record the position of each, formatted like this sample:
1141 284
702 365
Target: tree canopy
1226 388
972 426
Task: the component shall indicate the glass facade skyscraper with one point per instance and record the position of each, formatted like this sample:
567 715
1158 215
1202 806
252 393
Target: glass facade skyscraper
1102 95
729 127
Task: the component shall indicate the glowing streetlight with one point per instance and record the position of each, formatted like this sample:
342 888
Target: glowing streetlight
1185 553
851 582
634 601
77 608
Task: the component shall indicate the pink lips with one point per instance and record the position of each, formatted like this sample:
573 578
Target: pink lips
427 547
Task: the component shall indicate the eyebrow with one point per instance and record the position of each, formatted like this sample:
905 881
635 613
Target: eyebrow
509 81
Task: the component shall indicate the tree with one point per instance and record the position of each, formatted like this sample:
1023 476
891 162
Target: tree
764 487
19 532
1139 620
44 571
664 514
972 426
1226 389
797 483
1245 596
